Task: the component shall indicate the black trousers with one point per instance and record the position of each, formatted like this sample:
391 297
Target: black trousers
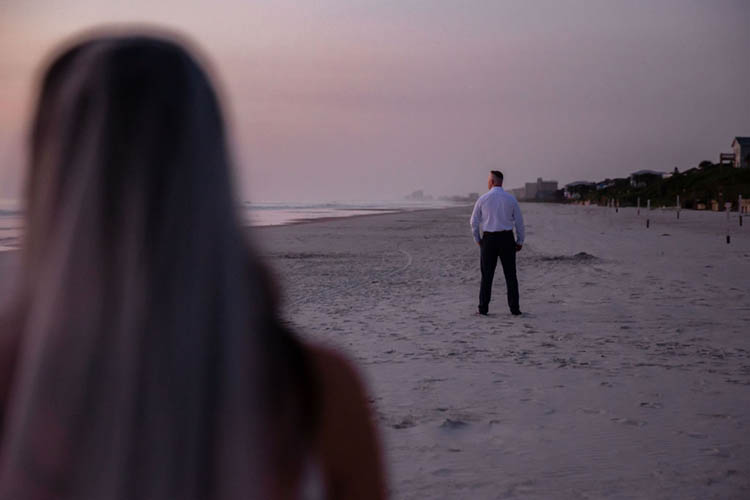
498 245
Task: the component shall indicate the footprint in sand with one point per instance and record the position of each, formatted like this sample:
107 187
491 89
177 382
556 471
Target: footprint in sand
592 411
405 423
694 435
716 452
655 406
629 421
715 415
451 424
521 488
442 472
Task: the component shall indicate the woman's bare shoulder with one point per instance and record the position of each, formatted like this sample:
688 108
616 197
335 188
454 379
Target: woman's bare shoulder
341 390
10 338
348 441
332 367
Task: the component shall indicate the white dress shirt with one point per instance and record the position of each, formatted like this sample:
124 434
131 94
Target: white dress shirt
497 210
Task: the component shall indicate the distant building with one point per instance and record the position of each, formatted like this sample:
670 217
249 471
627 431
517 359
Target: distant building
540 190
417 195
741 148
643 177
726 159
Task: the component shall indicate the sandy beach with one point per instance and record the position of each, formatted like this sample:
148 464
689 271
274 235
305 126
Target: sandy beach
628 376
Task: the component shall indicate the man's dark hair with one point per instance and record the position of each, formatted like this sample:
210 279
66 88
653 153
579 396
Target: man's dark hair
498 174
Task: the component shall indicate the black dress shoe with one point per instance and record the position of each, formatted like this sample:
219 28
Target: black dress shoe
483 313
516 313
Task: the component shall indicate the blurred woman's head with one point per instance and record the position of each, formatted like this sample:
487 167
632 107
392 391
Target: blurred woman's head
148 336
127 141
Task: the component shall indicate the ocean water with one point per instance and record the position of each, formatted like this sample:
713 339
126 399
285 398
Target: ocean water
253 214
275 214
11 228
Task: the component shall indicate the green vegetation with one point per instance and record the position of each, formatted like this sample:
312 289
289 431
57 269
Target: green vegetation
703 184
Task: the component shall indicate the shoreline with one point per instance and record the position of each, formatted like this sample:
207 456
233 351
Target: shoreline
378 213
372 212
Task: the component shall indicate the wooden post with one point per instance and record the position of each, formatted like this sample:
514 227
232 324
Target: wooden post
678 206
648 212
739 208
638 205
728 209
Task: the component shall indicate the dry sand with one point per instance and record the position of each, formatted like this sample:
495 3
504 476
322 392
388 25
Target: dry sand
627 377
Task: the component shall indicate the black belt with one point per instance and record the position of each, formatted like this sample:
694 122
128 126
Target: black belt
499 232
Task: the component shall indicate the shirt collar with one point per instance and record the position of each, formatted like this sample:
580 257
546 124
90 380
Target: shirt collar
496 187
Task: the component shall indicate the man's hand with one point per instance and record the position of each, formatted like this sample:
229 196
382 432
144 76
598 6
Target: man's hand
479 243
518 247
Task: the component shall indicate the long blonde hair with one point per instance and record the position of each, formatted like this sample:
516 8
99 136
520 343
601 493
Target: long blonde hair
150 360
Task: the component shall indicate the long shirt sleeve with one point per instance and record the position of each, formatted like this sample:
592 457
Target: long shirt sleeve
475 220
520 228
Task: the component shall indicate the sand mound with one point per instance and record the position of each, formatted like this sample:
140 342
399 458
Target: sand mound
580 257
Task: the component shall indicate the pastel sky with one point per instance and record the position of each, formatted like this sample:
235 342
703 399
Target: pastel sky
364 100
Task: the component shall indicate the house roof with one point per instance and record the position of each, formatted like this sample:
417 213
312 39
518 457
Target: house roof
742 141
646 172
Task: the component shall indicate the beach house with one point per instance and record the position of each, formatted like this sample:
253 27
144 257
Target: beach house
741 149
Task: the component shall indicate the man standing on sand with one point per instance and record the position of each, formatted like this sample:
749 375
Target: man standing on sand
497 212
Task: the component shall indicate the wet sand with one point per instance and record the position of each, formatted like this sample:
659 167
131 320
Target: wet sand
628 376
